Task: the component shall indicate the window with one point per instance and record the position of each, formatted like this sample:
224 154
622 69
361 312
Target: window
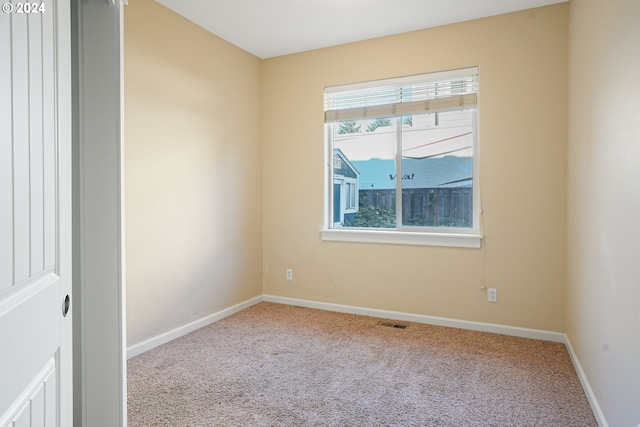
351 195
405 160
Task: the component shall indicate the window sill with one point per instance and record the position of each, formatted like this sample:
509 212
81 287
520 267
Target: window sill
403 238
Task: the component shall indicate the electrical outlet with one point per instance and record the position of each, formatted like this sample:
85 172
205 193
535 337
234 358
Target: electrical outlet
492 295
289 274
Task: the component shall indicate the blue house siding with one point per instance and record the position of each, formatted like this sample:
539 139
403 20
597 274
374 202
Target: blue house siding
438 172
435 191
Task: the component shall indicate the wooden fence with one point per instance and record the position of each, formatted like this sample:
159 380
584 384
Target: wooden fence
431 207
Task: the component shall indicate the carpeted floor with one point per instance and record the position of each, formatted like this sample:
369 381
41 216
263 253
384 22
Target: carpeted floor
279 365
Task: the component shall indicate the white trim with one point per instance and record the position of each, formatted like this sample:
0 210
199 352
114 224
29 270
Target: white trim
121 296
538 334
171 335
164 338
493 328
588 391
353 182
99 336
402 237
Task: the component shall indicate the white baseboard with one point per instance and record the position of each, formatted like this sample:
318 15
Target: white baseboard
559 337
164 338
429 320
461 324
588 391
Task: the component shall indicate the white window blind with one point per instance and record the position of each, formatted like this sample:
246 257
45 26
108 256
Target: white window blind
426 93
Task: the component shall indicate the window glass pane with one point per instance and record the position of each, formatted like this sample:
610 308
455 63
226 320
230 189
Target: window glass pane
366 150
437 169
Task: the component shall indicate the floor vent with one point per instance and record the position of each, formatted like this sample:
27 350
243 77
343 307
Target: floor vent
392 325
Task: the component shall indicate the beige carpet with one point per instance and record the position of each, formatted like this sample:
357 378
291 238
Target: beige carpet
278 365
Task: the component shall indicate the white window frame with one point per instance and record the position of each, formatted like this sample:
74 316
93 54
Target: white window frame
408 235
344 182
339 180
351 206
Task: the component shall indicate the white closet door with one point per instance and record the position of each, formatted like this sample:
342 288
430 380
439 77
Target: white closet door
35 214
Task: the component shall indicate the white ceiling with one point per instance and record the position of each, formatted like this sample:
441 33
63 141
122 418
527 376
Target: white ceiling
268 28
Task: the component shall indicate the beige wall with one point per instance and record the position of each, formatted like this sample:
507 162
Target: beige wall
523 115
192 172
603 286
210 128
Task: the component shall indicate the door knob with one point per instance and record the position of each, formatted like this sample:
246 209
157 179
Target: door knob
66 305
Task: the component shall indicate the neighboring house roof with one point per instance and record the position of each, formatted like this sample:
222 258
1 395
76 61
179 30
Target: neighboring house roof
435 172
346 164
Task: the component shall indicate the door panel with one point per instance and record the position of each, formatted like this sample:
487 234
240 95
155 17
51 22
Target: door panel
49 143
19 94
36 405
36 146
6 160
35 216
22 328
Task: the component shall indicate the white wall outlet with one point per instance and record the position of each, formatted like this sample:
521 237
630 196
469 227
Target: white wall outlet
289 274
492 294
